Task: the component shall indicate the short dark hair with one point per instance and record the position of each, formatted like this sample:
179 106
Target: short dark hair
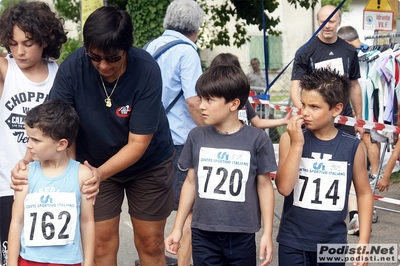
348 33
56 119
332 86
254 59
40 24
108 29
224 81
225 59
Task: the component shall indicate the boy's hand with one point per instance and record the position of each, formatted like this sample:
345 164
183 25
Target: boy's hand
288 116
91 186
359 263
359 130
266 249
17 179
383 184
294 129
172 242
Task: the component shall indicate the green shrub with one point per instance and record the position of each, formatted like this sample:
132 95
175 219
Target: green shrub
71 45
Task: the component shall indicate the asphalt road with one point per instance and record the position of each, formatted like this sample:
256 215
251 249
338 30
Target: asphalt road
385 231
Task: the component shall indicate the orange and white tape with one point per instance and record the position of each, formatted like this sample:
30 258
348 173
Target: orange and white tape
344 120
388 200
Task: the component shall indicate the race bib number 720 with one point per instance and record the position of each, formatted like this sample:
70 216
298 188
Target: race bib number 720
50 218
223 174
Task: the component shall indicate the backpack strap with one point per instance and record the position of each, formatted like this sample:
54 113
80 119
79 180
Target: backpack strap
173 102
157 54
166 46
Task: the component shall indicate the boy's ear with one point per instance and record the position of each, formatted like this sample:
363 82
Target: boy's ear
235 104
337 109
62 144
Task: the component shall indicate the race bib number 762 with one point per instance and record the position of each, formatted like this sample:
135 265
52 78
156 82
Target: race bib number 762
50 218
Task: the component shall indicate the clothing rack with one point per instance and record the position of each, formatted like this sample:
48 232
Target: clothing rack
381 36
387 35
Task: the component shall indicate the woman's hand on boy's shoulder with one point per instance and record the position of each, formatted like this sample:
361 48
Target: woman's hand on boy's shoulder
90 181
19 175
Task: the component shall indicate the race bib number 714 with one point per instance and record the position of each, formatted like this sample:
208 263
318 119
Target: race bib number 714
321 185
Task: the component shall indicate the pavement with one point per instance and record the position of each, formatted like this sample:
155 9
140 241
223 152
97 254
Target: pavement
385 231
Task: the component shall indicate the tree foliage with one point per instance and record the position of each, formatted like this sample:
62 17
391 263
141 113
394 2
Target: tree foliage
69 9
345 7
7 3
147 17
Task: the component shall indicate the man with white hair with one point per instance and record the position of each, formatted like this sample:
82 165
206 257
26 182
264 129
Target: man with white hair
180 68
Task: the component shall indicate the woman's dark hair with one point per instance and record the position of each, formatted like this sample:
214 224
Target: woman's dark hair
108 29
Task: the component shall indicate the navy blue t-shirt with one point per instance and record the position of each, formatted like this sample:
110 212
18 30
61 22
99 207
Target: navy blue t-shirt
136 108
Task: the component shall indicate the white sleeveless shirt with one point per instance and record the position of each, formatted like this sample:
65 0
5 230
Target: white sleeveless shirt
19 96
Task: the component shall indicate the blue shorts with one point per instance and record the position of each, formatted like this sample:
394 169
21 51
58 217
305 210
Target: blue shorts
219 248
180 173
296 257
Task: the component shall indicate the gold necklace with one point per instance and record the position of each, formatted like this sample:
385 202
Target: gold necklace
107 100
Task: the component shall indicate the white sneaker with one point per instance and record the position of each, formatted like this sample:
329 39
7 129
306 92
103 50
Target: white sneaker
372 181
354 226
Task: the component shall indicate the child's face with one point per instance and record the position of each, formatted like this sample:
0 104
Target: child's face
40 146
316 111
26 52
214 110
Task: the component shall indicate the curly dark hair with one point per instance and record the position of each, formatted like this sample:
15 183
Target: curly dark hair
56 119
40 24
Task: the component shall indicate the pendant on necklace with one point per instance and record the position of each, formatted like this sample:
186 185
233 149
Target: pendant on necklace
108 102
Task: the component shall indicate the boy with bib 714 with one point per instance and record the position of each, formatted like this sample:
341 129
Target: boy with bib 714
316 166
50 215
228 182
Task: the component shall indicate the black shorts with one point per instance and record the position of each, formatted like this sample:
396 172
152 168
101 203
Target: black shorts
296 257
149 193
220 248
6 203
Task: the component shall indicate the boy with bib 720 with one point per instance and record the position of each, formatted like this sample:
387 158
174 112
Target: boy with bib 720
228 183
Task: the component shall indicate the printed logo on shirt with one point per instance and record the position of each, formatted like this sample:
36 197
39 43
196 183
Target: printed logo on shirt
18 106
16 121
123 111
334 64
331 53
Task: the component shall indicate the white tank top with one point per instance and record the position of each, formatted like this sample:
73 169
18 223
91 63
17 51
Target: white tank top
19 95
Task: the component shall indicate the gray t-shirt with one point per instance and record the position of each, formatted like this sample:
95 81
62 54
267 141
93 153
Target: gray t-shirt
226 168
